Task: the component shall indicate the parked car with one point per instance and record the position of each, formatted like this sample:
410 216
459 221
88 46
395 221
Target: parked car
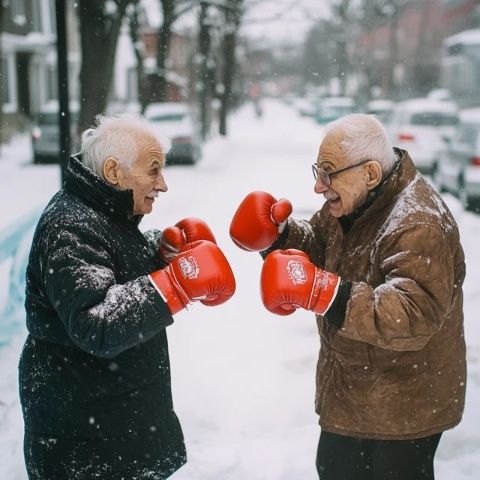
442 94
305 106
331 108
382 109
177 122
422 126
458 168
45 132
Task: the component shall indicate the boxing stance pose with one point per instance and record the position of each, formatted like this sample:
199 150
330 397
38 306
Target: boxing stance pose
95 371
382 267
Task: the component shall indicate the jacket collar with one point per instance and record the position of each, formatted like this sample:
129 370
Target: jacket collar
98 194
402 173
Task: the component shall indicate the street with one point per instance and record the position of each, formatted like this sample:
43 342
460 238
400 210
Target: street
243 379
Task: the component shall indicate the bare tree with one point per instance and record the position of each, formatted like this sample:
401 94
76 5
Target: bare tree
100 23
203 57
343 19
171 11
386 12
233 13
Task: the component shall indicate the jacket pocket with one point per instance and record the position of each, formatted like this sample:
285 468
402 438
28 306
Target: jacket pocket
408 361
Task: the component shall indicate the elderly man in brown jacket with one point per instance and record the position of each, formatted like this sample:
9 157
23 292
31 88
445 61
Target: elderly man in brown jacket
382 266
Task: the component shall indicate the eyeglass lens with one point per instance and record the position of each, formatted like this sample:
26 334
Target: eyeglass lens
318 172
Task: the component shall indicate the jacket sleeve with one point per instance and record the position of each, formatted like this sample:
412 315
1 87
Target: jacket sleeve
411 305
101 317
305 235
153 240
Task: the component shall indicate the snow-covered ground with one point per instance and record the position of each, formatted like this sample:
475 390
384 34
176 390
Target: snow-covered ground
243 379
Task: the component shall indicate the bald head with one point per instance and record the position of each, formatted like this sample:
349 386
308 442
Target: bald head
358 137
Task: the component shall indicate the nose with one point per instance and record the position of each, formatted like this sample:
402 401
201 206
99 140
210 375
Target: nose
161 184
320 187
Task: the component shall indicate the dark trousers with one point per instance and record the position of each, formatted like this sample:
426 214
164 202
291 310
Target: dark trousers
348 458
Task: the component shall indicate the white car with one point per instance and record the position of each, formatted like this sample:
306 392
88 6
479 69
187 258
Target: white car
176 121
422 126
45 132
332 108
458 169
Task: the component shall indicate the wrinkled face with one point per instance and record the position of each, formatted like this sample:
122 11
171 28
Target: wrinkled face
347 190
145 175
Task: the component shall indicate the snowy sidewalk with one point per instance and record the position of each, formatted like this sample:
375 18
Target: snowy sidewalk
243 379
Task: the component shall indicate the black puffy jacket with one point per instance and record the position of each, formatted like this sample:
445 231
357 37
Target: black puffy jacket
95 365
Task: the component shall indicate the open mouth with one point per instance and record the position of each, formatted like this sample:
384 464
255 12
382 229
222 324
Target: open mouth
332 198
152 196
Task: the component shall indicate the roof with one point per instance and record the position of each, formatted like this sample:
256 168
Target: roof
428 105
467 37
380 104
165 107
340 101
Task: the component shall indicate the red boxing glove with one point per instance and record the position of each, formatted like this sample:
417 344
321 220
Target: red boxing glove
259 220
289 280
199 272
188 230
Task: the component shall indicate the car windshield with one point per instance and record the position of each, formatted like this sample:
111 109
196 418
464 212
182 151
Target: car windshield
167 117
434 119
336 110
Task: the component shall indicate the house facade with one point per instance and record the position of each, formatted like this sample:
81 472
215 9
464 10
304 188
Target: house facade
29 58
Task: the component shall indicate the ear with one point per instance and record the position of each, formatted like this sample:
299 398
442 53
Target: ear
111 170
374 174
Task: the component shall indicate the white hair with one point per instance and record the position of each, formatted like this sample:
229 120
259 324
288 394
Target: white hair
117 136
364 138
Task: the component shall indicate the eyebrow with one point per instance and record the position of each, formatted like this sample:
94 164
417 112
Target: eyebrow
155 161
325 163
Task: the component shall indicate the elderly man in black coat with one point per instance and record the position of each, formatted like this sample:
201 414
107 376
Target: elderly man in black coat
94 372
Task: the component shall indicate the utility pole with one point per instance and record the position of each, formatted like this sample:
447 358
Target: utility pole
63 96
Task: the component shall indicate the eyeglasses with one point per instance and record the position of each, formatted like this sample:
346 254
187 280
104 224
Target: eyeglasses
326 177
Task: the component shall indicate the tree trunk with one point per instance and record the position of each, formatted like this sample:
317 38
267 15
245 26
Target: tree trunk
158 80
99 34
140 70
390 85
229 45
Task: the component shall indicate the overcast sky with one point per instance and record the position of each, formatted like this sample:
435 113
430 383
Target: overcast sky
270 21
282 20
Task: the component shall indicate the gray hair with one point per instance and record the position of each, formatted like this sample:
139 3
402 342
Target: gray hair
116 136
364 138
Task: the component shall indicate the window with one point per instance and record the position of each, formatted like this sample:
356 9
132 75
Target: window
36 16
7 80
434 119
19 12
467 134
52 83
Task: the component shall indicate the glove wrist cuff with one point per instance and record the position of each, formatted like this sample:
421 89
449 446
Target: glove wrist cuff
324 291
163 285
